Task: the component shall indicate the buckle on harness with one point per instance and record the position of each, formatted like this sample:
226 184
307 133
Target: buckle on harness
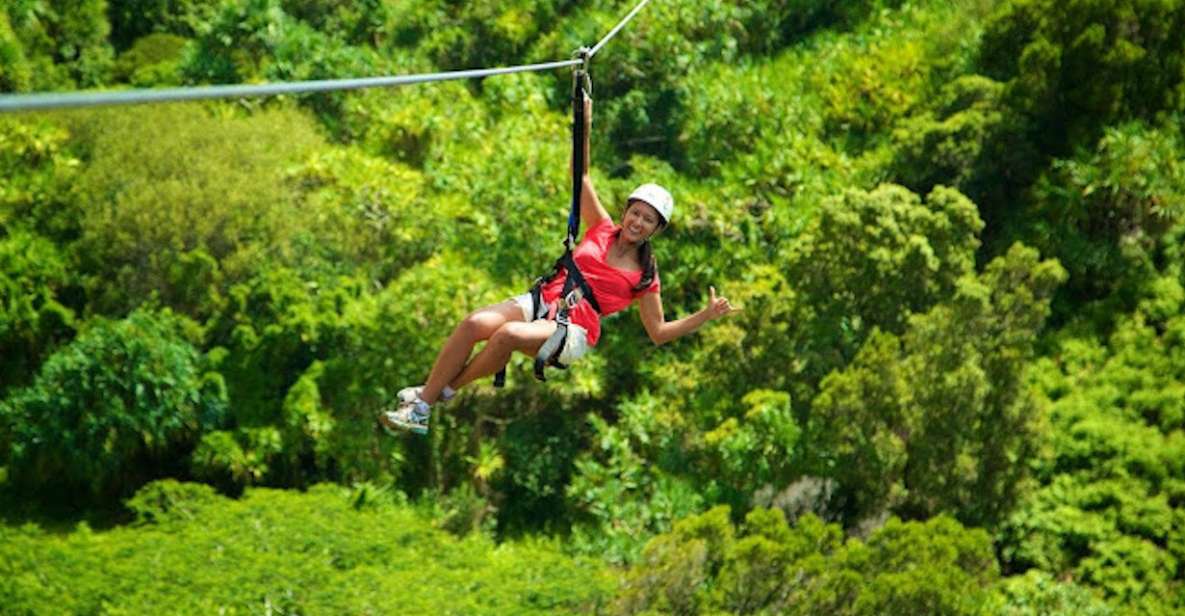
571 299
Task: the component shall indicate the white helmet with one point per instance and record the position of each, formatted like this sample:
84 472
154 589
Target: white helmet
657 197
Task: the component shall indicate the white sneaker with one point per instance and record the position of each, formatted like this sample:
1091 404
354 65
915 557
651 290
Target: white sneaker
409 394
412 416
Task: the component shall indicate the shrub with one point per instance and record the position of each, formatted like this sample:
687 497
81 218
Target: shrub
15 72
317 552
1037 594
215 187
41 171
1106 510
122 403
168 500
896 436
65 41
1104 211
1074 68
870 259
971 141
150 59
255 40
134 20
32 318
705 565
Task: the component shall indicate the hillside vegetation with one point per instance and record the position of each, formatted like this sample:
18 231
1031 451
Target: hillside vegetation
957 385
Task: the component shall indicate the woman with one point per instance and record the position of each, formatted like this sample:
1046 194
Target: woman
618 265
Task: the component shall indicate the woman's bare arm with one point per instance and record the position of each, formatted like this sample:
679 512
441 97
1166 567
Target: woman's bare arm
662 331
591 210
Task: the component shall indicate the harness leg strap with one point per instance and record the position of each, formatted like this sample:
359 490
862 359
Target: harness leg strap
549 352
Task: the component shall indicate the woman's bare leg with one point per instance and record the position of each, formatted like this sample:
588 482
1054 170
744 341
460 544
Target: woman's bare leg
479 325
510 337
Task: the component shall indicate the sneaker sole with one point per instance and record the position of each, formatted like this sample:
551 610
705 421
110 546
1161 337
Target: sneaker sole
393 427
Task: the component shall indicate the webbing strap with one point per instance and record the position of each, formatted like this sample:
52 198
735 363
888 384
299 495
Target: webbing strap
575 280
579 138
549 353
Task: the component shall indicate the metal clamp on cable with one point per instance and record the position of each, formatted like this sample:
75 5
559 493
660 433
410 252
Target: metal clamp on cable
581 73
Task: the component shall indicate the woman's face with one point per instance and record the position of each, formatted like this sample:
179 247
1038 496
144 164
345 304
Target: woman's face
641 220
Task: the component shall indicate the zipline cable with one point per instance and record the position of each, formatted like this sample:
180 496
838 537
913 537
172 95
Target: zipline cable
619 26
29 102
64 100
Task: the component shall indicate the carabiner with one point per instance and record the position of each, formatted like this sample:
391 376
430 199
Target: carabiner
581 74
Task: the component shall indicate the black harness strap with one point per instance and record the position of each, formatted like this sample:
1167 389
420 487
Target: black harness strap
574 290
575 287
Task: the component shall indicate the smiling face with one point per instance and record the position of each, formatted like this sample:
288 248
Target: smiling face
640 221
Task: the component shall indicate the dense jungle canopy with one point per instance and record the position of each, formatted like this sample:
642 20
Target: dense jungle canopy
956 228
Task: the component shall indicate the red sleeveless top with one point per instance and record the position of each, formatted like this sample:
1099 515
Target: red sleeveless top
613 287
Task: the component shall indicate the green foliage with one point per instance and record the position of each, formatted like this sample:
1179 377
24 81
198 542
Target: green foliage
133 21
982 338
936 567
893 67
239 41
64 41
273 330
757 449
357 22
869 88
39 172
170 501
1104 211
539 460
889 359
15 72
32 319
931 423
370 212
765 566
502 181
771 24
870 259
326 551
1075 68
151 60
742 107
179 207
121 403
621 498
646 74
865 425
222 460
255 40
462 35
676 566
309 361
1038 594
971 141
1108 509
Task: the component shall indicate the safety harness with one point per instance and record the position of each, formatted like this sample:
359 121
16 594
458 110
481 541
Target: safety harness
575 287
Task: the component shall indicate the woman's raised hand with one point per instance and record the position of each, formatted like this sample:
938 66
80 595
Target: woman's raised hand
719 306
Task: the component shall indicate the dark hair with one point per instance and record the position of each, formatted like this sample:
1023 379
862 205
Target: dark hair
646 257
